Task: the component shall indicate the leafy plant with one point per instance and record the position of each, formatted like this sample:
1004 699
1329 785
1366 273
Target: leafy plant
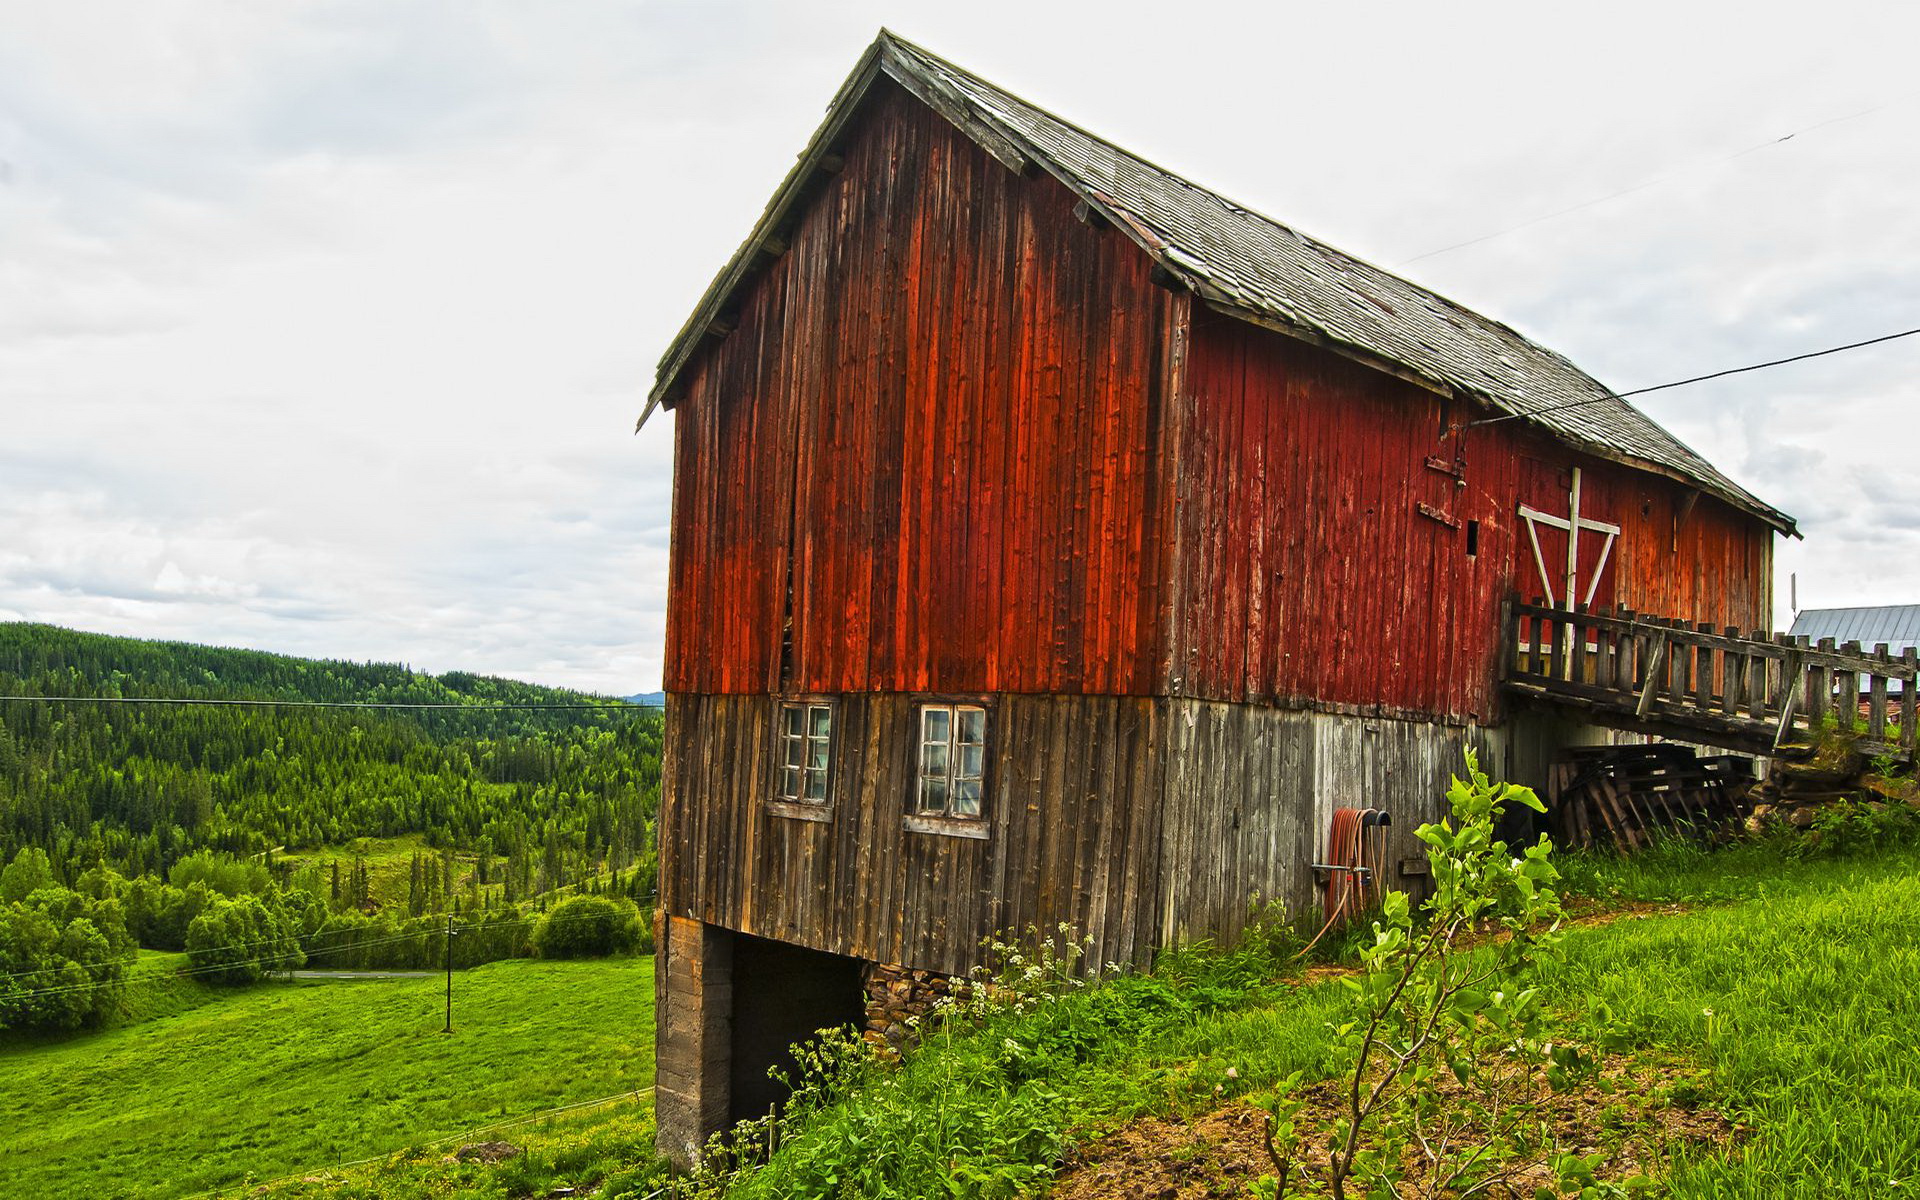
588 927
1450 1050
1846 828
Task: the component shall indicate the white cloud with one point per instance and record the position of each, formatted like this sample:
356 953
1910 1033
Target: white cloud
323 325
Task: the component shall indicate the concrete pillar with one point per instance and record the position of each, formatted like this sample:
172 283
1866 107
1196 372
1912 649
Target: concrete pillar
693 1034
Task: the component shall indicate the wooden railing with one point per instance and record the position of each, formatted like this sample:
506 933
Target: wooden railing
1756 691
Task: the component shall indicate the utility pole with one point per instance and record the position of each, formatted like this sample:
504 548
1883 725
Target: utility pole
449 962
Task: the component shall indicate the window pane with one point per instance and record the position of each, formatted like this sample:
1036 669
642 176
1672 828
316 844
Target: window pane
816 752
817 785
933 759
789 783
971 758
933 795
791 715
935 722
819 720
966 797
973 725
791 751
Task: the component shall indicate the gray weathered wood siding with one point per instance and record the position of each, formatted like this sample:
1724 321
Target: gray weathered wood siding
1250 792
1141 822
1072 822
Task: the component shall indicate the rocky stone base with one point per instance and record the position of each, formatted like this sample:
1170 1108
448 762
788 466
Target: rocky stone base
1797 791
900 1002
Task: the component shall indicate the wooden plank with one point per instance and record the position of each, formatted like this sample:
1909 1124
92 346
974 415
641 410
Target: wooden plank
1759 680
1819 686
1909 711
1656 667
1704 670
1733 692
1877 698
1576 639
1681 652
1847 695
1792 690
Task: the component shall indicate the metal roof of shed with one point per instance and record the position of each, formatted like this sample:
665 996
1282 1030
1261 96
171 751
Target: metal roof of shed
1246 264
1898 625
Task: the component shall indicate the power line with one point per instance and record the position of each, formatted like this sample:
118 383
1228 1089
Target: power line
1661 387
615 706
1647 183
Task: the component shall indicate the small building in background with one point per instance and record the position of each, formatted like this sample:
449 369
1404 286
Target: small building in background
1896 626
1057 541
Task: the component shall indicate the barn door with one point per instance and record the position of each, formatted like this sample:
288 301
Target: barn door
1572 557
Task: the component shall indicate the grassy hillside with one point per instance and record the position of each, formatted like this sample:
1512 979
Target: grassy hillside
1766 1001
283 1078
1773 992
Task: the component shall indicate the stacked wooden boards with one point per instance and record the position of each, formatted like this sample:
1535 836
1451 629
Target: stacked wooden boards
1624 796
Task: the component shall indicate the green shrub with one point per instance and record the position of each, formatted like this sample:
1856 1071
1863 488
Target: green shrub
1430 1007
588 927
63 954
241 941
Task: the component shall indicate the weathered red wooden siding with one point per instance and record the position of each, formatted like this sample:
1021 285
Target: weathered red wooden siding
941 406
1309 575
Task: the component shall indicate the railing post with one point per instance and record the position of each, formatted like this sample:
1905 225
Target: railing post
1509 637
1680 680
1703 678
1733 676
1625 670
1847 702
1791 687
1557 665
1656 667
1761 680
1577 645
1819 686
1877 695
1909 714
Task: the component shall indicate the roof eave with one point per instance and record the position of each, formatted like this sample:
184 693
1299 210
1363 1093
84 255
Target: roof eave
1214 300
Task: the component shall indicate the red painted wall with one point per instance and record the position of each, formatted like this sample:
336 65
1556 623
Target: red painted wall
941 405
1309 573
948 423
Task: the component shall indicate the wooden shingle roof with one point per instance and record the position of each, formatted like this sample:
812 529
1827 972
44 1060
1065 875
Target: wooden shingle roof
1246 264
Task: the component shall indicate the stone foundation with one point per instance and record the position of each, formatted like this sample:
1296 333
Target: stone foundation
693 1011
900 1000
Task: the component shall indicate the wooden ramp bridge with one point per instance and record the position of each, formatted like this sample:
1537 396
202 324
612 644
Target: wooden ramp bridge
1756 693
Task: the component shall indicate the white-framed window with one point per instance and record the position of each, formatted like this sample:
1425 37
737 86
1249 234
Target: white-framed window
951 777
801 774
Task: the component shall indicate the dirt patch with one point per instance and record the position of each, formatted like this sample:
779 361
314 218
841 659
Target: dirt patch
1636 1113
1585 912
487 1152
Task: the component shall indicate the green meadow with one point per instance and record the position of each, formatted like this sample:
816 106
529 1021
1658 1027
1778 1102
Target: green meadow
1784 984
203 1089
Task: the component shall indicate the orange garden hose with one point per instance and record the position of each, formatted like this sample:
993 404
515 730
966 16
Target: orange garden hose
1356 859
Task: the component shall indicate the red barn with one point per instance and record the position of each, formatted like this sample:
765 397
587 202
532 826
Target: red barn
1057 541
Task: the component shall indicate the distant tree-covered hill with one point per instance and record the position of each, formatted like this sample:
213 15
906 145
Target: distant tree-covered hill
551 795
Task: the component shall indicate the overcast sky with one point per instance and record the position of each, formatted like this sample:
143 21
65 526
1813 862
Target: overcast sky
323 327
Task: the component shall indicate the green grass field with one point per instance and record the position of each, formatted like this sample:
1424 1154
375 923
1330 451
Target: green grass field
1790 983
211 1090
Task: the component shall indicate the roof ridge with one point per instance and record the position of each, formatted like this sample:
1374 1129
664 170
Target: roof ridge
1243 262
1230 202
